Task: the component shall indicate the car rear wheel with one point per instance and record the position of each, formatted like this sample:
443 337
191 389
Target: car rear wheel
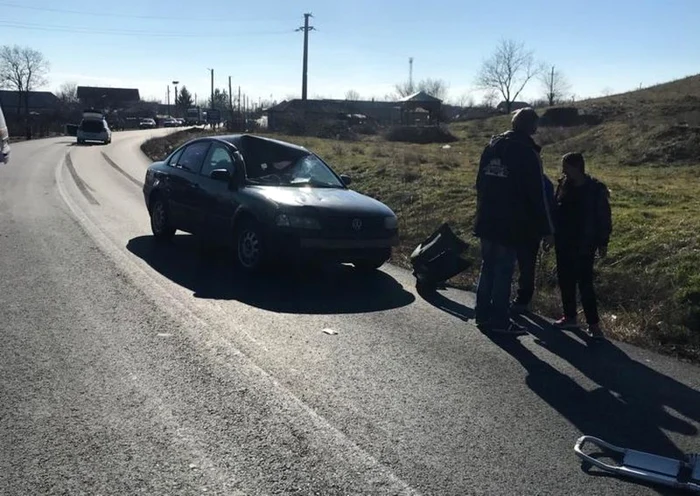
160 220
250 246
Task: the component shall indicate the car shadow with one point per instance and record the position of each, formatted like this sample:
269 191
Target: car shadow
210 273
629 405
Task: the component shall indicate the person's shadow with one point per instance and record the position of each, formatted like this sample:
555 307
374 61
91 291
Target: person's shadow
630 405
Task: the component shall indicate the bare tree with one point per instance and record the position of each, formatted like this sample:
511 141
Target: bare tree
22 69
607 91
464 100
404 89
433 87
352 95
489 99
507 71
68 93
555 86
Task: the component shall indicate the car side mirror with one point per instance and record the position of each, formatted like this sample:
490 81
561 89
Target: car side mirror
347 180
222 175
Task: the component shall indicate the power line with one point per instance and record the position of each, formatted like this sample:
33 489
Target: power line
133 32
135 16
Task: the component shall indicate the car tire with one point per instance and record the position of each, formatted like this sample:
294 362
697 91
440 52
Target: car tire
160 220
250 246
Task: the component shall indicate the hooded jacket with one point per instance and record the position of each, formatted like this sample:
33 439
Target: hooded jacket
586 226
512 205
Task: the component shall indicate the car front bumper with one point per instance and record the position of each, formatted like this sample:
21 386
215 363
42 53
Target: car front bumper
347 244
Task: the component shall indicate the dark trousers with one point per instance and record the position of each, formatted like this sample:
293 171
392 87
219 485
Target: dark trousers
576 269
493 290
527 263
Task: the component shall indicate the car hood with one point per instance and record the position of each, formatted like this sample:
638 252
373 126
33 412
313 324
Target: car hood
328 200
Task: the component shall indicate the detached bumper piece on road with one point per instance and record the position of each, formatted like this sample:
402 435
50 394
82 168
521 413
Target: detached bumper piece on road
438 258
680 474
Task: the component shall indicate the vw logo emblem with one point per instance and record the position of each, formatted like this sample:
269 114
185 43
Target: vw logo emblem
357 224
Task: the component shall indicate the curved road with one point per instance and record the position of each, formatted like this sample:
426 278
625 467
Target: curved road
130 368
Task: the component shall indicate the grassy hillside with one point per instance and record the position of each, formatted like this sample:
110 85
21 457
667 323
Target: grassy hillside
646 149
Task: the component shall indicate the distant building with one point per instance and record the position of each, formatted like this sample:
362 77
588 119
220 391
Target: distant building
39 102
418 108
107 98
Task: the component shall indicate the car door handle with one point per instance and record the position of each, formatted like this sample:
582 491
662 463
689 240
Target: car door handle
194 186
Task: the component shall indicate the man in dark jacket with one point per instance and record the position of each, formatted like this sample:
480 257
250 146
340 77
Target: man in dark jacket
527 258
511 210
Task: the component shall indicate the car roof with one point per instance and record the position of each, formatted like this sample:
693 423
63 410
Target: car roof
239 139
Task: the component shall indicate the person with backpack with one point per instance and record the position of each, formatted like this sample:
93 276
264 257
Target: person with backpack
511 210
583 225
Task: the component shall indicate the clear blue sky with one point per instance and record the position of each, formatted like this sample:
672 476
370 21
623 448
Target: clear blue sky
362 45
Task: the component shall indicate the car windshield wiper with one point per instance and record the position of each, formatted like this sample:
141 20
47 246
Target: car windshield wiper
312 182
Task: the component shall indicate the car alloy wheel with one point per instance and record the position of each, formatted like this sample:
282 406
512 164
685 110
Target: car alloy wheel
160 224
249 247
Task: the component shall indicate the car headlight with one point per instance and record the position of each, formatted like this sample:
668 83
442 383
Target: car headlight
391 222
285 220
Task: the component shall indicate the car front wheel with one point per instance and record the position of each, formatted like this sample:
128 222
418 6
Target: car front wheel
250 246
160 220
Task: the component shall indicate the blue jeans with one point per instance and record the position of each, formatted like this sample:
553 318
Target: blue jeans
495 279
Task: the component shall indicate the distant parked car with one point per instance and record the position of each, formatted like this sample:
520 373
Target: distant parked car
147 123
94 127
4 140
272 200
170 122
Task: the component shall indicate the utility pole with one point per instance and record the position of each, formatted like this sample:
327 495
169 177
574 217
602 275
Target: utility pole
230 102
175 83
410 74
239 99
211 102
306 28
551 94
168 99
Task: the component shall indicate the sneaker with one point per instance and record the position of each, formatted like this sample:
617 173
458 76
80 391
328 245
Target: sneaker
519 308
566 323
513 329
595 332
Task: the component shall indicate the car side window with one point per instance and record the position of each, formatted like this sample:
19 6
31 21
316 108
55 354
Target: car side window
193 156
173 160
217 158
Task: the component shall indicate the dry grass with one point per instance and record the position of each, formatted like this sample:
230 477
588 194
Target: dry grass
649 285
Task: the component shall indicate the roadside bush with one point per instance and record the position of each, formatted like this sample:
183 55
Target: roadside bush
366 128
420 134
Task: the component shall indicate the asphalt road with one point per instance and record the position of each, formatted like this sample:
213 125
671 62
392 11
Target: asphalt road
129 368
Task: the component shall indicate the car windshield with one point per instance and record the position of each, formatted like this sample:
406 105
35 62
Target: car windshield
307 170
92 126
271 164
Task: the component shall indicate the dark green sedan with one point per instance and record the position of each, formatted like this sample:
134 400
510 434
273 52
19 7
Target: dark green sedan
271 201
